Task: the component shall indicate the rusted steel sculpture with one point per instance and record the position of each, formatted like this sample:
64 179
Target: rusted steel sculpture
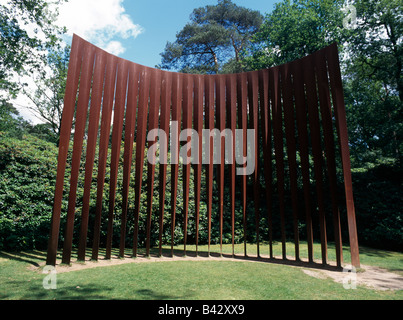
293 108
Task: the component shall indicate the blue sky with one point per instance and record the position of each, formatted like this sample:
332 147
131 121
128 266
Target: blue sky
136 30
162 19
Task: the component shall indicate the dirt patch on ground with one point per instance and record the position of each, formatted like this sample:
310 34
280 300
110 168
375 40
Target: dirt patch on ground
369 276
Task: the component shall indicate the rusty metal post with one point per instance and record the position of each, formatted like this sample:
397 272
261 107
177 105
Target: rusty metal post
302 129
341 125
275 96
220 118
291 148
164 125
131 109
152 124
96 97
118 116
81 118
72 81
242 90
145 78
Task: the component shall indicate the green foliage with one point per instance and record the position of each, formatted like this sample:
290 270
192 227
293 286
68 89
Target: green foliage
371 59
27 179
294 29
11 121
48 97
15 126
374 80
21 51
376 43
378 203
375 121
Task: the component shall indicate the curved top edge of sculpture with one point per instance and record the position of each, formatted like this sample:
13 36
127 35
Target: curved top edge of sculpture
332 46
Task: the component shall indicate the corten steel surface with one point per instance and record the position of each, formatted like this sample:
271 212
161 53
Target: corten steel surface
298 114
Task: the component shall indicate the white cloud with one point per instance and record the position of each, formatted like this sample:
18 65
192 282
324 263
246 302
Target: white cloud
114 47
102 22
99 21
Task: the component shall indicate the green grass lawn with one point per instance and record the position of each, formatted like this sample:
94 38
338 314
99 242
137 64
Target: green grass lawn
21 278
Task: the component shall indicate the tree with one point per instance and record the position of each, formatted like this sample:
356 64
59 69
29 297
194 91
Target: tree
376 45
215 36
48 97
11 121
295 29
374 85
27 32
371 61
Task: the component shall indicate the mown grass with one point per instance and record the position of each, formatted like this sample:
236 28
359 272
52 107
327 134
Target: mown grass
21 278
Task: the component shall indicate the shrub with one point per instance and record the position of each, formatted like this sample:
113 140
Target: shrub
379 202
27 179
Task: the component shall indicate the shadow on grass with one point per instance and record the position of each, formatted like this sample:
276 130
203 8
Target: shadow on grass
35 291
147 294
241 257
37 258
381 253
32 257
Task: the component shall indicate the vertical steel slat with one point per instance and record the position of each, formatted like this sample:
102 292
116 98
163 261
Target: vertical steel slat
107 105
187 124
291 147
176 116
130 121
341 125
164 125
79 130
253 86
209 124
325 109
72 80
95 108
231 102
313 115
145 76
198 127
275 97
301 111
242 89
152 124
220 116
266 135
118 114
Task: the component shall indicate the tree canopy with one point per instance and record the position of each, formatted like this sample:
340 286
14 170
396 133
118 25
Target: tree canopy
27 33
371 59
213 39
295 29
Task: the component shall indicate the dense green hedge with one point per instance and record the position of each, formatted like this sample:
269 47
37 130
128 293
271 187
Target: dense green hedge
378 196
27 179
